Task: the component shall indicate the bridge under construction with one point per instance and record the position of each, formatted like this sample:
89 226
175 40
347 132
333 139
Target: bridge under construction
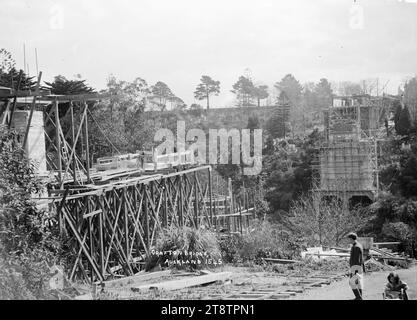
109 220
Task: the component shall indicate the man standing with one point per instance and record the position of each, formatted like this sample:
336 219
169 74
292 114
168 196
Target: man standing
357 266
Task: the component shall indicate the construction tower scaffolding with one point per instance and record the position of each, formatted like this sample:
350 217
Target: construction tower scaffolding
347 161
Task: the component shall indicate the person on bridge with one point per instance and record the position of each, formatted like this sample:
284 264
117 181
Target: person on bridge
357 266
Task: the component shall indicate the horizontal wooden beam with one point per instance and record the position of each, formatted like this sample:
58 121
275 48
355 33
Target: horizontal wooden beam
386 243
136 279
283 261
179 173
394 258
80 97
91 214
139 180
24 93
327 254
233 215
185 283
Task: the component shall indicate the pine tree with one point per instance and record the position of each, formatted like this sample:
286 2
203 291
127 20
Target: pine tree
62 85
397 112
244 90
404 122
207 87
10 79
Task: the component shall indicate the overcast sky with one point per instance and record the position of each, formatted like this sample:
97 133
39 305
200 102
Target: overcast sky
178 41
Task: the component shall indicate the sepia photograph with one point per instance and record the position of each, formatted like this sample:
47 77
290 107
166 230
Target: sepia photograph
215 158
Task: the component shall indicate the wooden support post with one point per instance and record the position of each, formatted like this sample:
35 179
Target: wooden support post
6 115
165 203
230 191
244 196
217 191
148 245
210 195
247 223
126 225
196 213
152 198
180 202
90 233
15 99
236 208
100 220
87 151
226 211
58 142
59 212
82 140
215 215
74 144
32 108
240 218
245 204
376 167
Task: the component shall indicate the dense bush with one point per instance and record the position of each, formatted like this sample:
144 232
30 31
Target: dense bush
309 265
230 246
12 284
185 248
268 239
324 221
264 240
25 276
394 219
395 210
261 208
27 243
288 171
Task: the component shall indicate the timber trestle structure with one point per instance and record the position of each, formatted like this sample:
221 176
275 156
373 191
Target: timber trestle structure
109 221
112 228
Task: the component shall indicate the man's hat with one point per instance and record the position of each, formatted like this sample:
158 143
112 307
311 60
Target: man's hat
352 235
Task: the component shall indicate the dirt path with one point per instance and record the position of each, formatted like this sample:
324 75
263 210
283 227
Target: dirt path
374 284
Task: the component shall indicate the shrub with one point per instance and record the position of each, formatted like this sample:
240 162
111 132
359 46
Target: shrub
268 240
230 246
261 208
324 221
399 231
308 265
24 276
12 284
264 240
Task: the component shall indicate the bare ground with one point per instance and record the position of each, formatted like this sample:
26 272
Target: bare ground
249 281
374 284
